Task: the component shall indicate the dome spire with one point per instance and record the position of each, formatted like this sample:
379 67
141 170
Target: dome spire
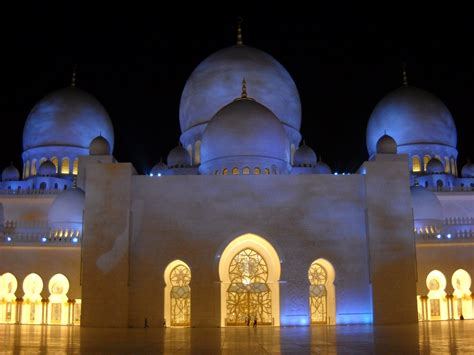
239 31
404 74
73 79
244 89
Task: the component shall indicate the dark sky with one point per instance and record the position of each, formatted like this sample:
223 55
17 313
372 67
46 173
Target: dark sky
135 60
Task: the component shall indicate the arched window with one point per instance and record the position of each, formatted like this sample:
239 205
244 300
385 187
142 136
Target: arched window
426 159
33 167
267 171
439 185
65 166
453 167
322 300
180 295
75 166
8 286
225 171
246 170
235 171
461 282
32 310
416 164
256 171
197 153
318 277
248 296
56 163
58 307
43 186
27 169
447 169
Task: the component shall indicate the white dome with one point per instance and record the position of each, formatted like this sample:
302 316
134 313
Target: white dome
67 117
159 169
304 157
212 85
178 157
99 146
47 168
468 170
245 134
435 166
411 116
322 168
426 206
386 145
66 212
10 173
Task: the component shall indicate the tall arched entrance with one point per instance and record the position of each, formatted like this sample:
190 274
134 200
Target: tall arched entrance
249 271
248 295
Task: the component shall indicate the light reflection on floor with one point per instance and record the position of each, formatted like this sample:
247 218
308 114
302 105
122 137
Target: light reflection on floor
436 337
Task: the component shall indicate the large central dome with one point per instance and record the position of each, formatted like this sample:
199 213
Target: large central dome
68 117
212 85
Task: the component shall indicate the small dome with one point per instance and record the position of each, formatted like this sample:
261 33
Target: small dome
10 173
468 170
411 116
47 168
179 157
99 146
66 212
67 117
386 145
304 157
245 134
435 166
426 206
322 168
159 169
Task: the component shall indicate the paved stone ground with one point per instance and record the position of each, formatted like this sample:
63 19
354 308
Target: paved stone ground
445 337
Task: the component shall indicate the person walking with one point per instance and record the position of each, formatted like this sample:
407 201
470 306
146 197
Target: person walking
255 322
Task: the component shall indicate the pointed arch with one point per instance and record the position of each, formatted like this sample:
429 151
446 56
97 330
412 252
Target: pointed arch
437 304
322 294
32 310
463 303
58 306
416 167
244 253
8 286
177 298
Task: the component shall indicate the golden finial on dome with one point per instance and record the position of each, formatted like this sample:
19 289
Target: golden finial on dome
73 80
244 89
239 31
404 74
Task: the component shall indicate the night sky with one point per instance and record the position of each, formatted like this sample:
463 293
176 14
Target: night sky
136 60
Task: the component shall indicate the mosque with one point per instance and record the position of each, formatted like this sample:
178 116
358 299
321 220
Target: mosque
243 221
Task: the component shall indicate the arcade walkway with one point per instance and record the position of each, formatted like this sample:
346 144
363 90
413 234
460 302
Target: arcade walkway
442 337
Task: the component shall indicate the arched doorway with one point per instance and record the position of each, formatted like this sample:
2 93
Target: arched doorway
437 303
322 295
178 294
8 286
249 270
248 295
32 308
58 301
461 281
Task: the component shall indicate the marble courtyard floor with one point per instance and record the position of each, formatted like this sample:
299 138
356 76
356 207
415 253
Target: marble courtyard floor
444 337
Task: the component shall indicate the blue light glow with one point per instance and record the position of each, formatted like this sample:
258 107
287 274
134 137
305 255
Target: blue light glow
44 239
438 236
74 240
159 174
9 239
151 174
449 236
